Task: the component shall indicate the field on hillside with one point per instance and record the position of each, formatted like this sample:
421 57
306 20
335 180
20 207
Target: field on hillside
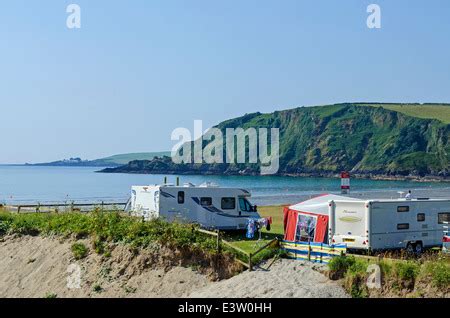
427 111
125 158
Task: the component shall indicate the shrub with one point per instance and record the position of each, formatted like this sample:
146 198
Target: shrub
354 271
358 266
341 263
4 227
439 271
97 288
107 226
405 274
385 267
355 283
407 270
79 251
99 246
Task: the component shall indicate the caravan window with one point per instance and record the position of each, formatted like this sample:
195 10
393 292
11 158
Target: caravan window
306 228
228 204
404 208
420 217
205 201
180 197
444 218
403 226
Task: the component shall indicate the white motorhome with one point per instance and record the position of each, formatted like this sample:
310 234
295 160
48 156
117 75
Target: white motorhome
208 205
388 224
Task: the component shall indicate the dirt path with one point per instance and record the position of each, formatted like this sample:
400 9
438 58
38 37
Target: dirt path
38 266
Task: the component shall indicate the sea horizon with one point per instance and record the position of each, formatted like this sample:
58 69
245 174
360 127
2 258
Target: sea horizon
45 184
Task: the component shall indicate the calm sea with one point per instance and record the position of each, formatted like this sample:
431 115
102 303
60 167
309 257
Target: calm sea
27 184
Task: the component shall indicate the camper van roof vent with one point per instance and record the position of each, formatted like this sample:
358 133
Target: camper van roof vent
208 185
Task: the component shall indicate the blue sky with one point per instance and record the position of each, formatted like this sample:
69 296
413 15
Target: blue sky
138 69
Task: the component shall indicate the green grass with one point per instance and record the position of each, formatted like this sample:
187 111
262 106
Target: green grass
397 275
440 112
438 271
79 250
106 227
251 245
406 270
115 227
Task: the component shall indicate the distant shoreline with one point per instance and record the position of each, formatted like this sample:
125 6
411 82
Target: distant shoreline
368 176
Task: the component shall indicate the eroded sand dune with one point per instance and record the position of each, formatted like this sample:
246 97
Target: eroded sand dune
38 267
285 278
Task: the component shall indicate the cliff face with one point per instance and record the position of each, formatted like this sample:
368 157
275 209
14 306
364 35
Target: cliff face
325 140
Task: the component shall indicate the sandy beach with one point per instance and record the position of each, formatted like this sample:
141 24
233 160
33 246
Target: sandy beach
292 198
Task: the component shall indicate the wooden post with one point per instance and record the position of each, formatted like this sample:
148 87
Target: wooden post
218 241
250 267
103 203
38 208
309 251
321 252
18 209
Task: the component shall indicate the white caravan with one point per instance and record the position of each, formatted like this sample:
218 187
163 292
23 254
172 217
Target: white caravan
208 205
388 224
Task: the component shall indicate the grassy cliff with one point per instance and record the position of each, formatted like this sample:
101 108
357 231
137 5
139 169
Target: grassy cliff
367 139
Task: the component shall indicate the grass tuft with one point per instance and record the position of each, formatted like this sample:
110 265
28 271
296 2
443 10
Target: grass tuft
79 250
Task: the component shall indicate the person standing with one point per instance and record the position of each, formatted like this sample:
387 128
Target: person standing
408 195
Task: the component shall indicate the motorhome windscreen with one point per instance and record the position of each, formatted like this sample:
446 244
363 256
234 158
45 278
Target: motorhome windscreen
306 228
244 205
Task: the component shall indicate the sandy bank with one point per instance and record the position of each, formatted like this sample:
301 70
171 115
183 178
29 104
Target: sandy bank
285 278
41 266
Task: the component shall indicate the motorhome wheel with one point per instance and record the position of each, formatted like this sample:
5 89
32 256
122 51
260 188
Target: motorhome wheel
410 248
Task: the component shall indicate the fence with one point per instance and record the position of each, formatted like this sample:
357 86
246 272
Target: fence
250 257
314 252
63 207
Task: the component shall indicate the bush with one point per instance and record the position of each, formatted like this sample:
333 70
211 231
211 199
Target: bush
341 263
79 251
386 268
354 271
358 266
4 227
355 283
107 226
407 270
439 271
97 288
